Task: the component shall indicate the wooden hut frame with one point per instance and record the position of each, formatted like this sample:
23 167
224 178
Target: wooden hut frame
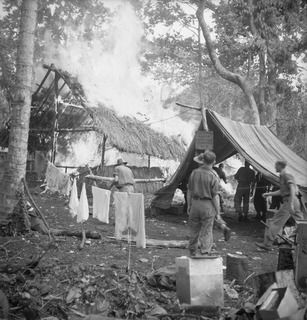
126 134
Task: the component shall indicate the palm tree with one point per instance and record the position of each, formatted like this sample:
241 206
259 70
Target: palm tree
20 115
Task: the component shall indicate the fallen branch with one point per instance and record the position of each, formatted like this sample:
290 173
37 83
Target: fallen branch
78 313
36 208
179 244
78 234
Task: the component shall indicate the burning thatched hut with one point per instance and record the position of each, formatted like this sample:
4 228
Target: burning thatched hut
60 115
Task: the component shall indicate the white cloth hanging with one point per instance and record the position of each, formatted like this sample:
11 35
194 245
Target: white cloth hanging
73 201
56 180
121 213
129 213
137 218
83 212
101 204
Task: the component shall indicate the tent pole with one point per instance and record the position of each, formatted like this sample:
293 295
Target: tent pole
186 106
204 118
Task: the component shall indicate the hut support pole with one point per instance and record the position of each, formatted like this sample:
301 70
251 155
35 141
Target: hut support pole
103 152
42 82
46 96
148 162
55 124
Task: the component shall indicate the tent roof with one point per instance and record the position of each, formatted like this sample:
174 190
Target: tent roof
257 144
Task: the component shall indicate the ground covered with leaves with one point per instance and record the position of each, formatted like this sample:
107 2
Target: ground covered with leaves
58 279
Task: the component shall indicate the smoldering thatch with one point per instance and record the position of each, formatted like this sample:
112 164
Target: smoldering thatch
124 133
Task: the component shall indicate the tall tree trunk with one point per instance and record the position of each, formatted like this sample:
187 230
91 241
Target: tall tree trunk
267 103
19 130
200 89
305 131
262 85
262 66
221 70
272 97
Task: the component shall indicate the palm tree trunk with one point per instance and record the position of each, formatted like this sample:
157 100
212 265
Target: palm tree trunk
15 168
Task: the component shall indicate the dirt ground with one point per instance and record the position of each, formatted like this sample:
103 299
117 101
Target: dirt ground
163 227
64 265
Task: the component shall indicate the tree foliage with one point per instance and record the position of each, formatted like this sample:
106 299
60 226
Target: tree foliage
264 37
258 39
53 17
171 47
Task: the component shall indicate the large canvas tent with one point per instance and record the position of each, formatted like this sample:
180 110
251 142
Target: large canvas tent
257 144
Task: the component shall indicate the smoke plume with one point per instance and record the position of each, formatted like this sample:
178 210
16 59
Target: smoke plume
110 72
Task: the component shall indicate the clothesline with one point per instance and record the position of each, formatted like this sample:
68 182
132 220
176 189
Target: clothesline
94 177
62 183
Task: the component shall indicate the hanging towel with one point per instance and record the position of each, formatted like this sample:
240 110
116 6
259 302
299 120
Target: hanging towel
137 218
129 213
56 180
74 201
83 206
121 213
101 204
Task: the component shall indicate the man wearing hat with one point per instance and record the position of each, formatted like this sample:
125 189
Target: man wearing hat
123 177
203 203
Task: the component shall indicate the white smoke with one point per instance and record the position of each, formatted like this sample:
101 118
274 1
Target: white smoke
110 72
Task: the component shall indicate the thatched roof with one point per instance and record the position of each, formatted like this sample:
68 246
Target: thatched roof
124 133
